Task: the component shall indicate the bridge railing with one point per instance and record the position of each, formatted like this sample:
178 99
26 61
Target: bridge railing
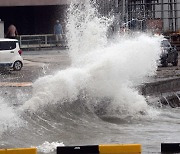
40 41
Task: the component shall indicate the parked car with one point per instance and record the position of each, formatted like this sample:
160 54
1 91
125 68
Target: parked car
169 54
10 54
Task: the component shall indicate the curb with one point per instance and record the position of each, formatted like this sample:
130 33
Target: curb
19 151
101 149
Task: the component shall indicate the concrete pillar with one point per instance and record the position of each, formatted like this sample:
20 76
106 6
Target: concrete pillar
1 29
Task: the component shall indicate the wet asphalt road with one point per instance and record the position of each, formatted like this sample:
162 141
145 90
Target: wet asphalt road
44 62
37 64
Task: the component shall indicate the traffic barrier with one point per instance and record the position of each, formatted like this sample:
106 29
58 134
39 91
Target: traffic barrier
2 151
90 149
170 147
101 149
120 149
19 151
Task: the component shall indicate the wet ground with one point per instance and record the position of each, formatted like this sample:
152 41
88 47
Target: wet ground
44 62
37 64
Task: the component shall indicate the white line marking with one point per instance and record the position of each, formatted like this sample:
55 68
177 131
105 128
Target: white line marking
15 84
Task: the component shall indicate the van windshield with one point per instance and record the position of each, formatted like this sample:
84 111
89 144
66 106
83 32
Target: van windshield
7 45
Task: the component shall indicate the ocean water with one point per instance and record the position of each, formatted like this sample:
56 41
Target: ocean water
96 100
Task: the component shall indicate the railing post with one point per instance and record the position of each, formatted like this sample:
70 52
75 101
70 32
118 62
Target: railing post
20 41
37 41
46 39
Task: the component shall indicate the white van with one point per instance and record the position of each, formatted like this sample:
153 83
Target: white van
10 54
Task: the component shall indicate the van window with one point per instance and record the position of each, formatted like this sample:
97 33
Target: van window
7 45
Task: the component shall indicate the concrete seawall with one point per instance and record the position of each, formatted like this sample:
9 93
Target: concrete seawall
163 86
166 92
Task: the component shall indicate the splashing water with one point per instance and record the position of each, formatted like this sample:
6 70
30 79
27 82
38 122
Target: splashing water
47 147
86 31
101 69
9 118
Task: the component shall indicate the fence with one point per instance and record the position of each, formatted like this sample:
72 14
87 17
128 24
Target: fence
41 41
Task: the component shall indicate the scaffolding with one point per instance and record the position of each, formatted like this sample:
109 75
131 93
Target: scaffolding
139 14
164 13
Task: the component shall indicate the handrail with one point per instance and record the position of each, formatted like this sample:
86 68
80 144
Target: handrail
40 40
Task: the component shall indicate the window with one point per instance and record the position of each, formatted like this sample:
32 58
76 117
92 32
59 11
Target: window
165 43
7 45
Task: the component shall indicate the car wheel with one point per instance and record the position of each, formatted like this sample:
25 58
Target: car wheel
164 63
17 66
175 63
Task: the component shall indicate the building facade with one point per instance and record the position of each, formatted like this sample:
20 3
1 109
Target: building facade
32 16
39 16
33 2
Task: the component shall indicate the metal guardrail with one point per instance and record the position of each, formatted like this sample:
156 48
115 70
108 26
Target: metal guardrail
41 41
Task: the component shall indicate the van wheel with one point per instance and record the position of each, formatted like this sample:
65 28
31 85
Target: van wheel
17 66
